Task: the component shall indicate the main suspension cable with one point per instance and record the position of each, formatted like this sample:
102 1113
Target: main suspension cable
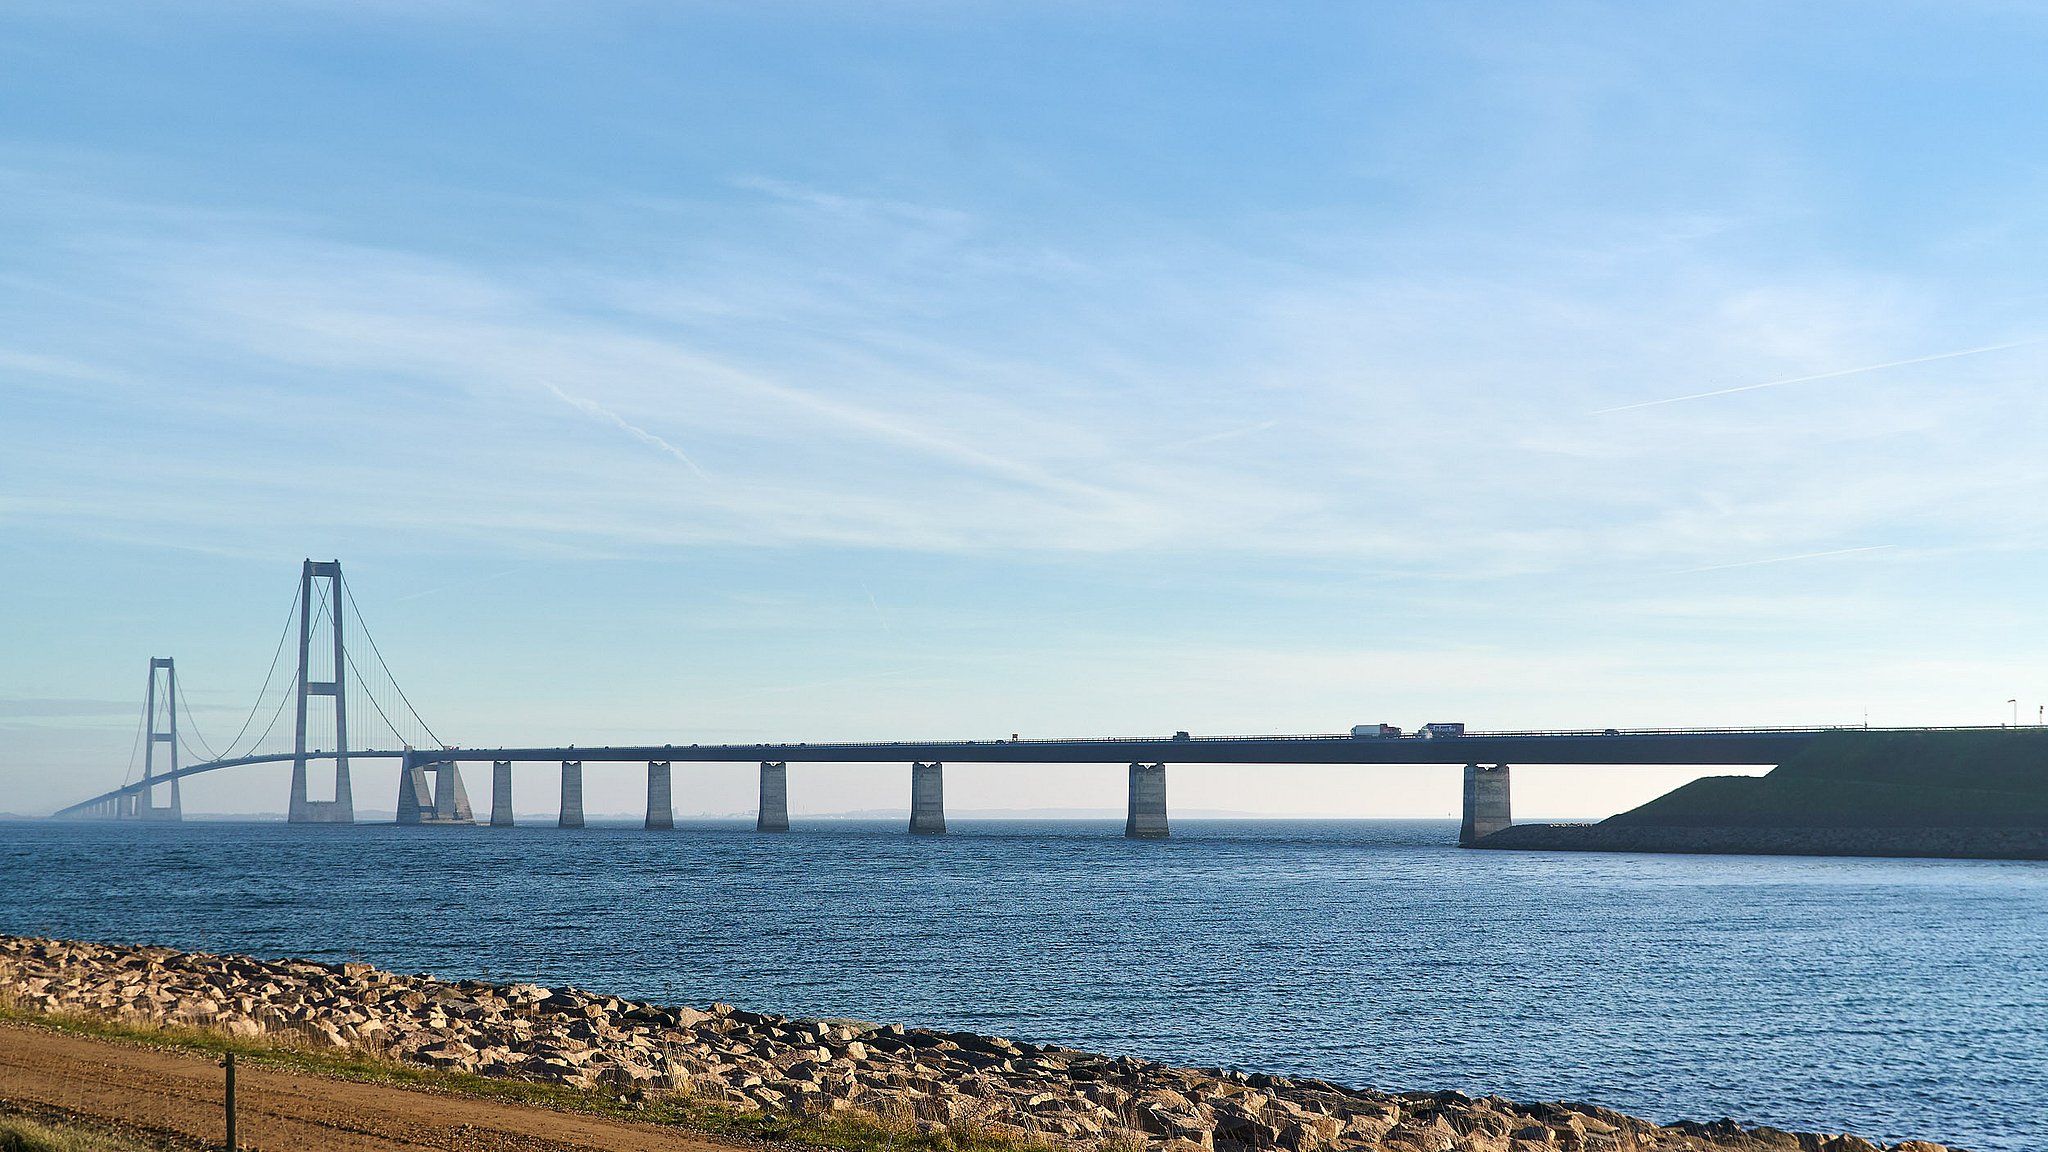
135 752
192 726
257 707
393 680
370 693
281 702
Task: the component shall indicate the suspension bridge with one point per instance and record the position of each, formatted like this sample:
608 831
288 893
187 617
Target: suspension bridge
329 689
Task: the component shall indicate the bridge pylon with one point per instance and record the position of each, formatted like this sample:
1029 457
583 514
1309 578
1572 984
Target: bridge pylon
341 809
165 732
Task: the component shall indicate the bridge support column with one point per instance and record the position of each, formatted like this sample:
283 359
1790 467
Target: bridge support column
927 799
451 799
501 794
1146 817
572 795
774 812
661 812
415 799
1486 803
444 801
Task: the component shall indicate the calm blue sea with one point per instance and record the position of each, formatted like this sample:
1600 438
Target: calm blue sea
1896 999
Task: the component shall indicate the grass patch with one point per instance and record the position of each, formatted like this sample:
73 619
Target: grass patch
847 1131
1970 779
17 1135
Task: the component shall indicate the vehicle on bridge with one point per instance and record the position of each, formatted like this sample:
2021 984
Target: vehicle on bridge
1432 731
1375 731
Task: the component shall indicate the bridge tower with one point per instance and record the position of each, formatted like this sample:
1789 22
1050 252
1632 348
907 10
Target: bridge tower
341 809
166 734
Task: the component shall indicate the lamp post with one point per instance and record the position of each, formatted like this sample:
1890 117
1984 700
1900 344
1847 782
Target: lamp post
2015 712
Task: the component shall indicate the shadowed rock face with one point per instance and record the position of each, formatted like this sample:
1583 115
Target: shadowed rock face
753 1060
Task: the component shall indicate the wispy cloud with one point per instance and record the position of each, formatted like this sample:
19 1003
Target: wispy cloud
31 707
1407 427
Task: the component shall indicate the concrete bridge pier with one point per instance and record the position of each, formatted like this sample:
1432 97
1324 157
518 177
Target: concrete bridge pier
501 794
1486 803
774 812
1146 818
927 799
445 801
415 799
661 812
451 799
572 795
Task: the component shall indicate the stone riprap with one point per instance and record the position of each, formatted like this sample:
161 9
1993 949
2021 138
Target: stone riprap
751 1060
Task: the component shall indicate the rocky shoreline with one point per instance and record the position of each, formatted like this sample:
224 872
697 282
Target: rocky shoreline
934 1080
1942 843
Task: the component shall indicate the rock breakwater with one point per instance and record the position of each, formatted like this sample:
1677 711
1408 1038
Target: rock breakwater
935 1080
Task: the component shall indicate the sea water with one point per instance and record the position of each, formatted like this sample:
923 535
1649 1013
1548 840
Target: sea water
1892 998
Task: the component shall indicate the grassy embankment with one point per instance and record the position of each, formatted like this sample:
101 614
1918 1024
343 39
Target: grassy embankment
1976 779
849 1131
17 1135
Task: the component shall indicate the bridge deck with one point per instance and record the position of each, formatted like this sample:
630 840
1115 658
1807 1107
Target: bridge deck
1748 747
1697 746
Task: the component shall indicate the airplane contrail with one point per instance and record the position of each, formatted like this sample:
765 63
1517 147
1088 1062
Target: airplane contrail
464 584
1783 559
1817 376
877 607
1226 434
593 408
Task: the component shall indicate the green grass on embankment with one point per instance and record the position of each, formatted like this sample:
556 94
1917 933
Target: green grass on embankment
1976 779
842 1131
18 1135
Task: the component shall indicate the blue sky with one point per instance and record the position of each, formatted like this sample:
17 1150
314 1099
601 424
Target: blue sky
815 371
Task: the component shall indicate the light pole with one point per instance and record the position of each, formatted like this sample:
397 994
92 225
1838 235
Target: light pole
2015 712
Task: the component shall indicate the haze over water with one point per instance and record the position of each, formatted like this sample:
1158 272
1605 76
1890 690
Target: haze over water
1895 999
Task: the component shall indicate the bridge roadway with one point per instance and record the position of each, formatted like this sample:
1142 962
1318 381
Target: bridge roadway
1641 747
1486 789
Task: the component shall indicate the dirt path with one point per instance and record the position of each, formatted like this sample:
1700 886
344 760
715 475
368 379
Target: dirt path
179 1094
